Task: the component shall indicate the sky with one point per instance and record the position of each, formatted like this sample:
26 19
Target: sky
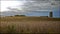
11 4
32 7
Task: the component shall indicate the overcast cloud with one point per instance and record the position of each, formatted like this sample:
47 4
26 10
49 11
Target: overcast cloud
35 5
38 5
27 6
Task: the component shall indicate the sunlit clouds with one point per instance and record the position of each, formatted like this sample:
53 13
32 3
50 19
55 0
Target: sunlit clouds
29 5
11 4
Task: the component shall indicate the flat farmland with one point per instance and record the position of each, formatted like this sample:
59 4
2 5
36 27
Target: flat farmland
29 25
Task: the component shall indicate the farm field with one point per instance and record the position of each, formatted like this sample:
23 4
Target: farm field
29 25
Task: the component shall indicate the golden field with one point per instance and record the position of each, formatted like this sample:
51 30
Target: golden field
29 25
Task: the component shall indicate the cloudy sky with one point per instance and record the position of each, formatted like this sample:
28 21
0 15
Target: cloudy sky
31 6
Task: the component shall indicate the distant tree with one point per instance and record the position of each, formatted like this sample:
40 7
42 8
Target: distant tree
11 16
19 15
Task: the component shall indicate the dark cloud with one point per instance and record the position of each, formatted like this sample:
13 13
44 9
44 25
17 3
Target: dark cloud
36 5
37 0
11 0
33 5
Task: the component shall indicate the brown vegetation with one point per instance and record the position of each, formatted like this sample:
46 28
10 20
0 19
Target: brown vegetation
32 25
